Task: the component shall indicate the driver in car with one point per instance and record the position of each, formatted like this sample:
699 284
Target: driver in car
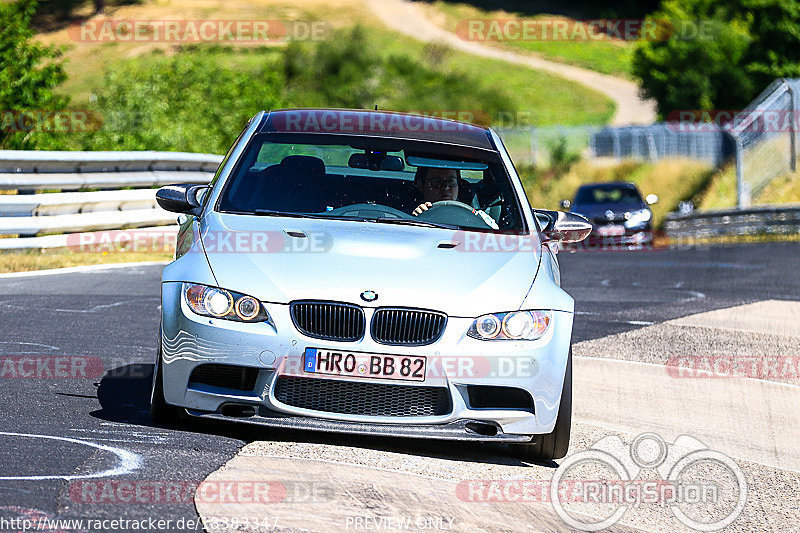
435 185
441 184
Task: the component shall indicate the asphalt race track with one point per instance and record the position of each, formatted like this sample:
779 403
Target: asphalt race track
58 434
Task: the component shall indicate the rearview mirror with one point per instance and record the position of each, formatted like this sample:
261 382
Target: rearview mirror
181 198
651 199
563 227
388 162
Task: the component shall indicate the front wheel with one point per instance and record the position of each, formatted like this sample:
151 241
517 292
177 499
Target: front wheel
160 411
553 445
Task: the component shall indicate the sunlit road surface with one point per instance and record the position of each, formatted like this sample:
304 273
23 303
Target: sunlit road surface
60 433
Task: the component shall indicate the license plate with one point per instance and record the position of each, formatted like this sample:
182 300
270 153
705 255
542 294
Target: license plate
611 231
365 365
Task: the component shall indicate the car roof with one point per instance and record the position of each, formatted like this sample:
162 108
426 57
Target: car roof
382 124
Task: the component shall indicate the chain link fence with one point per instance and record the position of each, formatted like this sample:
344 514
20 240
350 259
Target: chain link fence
664 140
537 146
765 133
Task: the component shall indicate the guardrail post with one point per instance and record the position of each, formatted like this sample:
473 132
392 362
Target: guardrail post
742 191
793 127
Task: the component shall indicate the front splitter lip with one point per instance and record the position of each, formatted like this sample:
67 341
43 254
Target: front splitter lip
458 430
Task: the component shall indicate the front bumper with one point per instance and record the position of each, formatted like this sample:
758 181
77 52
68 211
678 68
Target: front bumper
455 362
469 430
635 237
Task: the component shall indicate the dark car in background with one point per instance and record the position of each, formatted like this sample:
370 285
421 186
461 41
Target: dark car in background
617 211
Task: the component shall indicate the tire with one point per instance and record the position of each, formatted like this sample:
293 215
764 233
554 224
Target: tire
553 445
160 411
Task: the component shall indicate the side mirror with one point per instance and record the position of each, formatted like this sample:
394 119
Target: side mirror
563 227
651 199
565 204
181 198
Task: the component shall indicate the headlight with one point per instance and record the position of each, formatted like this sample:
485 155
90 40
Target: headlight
516 325
219 303
638 218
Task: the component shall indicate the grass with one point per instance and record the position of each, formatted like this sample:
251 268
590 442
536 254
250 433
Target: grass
673 180
539 98
781 190
606 56
721 190
88 61
45 259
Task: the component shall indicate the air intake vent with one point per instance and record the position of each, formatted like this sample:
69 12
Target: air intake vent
491 397
410 327
225 376
329 320
358 398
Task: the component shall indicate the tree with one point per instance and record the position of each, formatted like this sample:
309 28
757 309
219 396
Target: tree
188 103
719 54
29 71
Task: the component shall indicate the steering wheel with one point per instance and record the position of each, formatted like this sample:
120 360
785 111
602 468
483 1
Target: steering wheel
454 212
367 211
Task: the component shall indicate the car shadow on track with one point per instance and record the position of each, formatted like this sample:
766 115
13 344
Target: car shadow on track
124 395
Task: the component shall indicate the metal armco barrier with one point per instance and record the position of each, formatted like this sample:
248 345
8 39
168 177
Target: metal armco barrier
762 220
33 214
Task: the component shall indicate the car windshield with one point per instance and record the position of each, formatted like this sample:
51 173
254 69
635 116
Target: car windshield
607 194
376 180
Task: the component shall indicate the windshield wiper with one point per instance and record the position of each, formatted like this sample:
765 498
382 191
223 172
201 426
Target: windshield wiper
319 216
421 223
386 220
270 213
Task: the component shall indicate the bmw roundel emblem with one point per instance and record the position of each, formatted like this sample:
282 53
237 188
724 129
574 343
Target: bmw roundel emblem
369 296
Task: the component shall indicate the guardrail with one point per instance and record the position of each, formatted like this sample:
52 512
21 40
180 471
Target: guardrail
32 214
28 215
762 220
32 170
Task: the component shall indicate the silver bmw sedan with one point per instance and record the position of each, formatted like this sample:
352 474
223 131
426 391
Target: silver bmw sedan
372 273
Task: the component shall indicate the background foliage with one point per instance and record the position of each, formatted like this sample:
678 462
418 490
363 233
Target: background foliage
723 52
29 72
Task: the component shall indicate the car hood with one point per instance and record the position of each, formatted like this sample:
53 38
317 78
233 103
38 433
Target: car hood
338 260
